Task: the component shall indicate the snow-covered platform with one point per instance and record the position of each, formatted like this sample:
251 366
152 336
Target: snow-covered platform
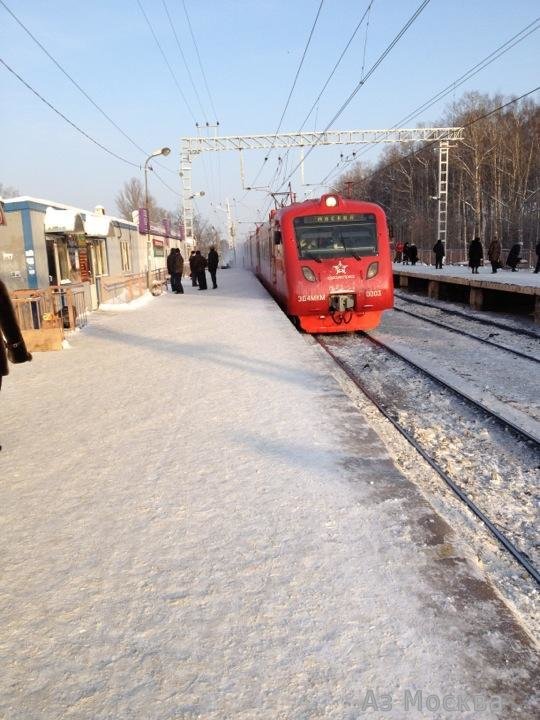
503 291
198 523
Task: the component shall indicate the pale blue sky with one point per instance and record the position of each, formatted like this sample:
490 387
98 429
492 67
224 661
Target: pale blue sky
250 50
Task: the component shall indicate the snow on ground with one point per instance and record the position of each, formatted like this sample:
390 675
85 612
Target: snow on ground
523 276
198 523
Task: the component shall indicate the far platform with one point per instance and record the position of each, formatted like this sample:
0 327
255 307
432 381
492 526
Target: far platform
505 291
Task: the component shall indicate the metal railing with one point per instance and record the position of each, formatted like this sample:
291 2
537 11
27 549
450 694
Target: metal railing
120 288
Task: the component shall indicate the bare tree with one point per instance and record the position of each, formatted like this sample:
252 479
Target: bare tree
8 191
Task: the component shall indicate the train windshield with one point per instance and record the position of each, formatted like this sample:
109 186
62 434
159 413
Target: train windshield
332 236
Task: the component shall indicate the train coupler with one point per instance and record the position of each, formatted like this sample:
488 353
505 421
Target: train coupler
341 303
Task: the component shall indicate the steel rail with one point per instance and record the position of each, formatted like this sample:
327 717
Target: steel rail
508 423
503 540
467 334
459 313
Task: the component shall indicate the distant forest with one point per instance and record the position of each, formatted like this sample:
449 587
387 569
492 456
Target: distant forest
493 184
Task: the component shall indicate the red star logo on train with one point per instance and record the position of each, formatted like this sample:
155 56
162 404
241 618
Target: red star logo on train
340 268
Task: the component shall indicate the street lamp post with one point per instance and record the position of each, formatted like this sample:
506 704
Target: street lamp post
162 151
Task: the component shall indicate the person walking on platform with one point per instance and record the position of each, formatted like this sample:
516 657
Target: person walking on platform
13 347
438 249
399 252
514 256
537 268
413 253
177 266
494 254
213 262
192 273
476 253
406 253
199 264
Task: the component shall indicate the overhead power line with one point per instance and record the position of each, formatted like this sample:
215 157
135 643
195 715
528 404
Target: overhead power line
86 135
70 78
74 82
184 61
471 72
200 61
167 63
434 142
291 92
363 80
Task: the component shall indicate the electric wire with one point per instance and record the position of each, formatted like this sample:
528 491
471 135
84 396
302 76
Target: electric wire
200 61
434 142
332 73
73 81
86 135
167 63
471 72
369 73
290 92
184 61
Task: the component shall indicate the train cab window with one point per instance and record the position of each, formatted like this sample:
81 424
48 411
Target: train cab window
330 236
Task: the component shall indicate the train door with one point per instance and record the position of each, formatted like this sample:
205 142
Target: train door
272 253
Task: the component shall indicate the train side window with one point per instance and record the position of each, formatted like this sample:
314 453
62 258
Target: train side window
277 237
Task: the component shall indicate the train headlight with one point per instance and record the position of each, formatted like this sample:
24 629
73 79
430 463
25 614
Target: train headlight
331 201
373 269
309 274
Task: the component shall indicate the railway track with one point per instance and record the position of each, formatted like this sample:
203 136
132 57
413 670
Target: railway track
485 320
460 331
388 403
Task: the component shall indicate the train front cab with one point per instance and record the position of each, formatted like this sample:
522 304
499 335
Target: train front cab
339 271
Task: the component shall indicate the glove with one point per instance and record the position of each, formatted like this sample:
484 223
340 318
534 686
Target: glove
17 353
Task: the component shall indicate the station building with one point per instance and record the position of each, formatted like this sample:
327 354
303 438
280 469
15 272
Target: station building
44 243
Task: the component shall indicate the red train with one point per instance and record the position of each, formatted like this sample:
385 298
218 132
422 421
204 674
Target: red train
327 262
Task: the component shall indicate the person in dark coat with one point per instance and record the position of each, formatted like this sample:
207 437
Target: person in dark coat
199 264
413 253
438 249
170 257
12 344
537 268
494 254
514 256
192 273
476 253
406 253
213 261
177 268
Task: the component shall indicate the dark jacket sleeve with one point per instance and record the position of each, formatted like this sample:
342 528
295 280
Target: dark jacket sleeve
16 349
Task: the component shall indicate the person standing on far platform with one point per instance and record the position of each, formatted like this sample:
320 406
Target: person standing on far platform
399 252
537 268
213 262
199 264
406 253
192 273
438 249
494 254
13 347
514 256
476 253
413 253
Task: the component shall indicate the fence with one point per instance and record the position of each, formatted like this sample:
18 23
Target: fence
43 315
120 288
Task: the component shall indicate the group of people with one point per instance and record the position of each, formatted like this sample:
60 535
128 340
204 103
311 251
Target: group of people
197 269
408 252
